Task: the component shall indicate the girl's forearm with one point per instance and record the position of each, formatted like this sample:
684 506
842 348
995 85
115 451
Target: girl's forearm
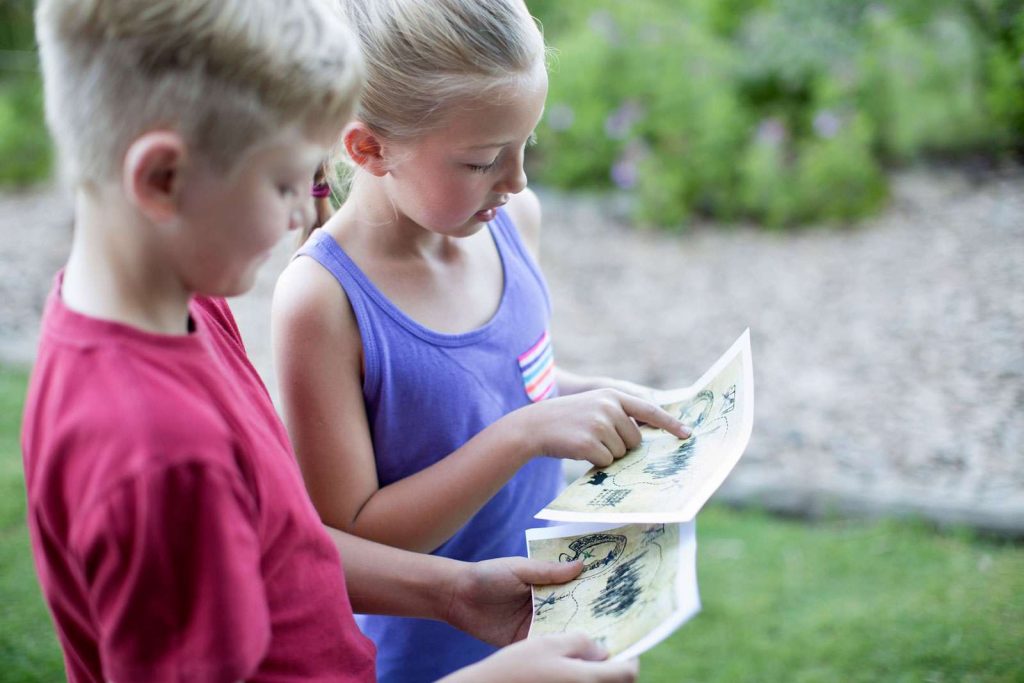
422 511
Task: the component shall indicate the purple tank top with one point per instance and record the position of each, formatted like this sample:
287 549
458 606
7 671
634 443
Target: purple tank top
426 394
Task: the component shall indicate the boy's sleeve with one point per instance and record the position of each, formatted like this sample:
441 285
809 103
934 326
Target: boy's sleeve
171 563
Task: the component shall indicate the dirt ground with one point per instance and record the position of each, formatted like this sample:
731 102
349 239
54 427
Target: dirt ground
888 356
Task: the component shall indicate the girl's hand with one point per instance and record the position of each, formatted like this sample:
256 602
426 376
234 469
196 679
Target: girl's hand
597 426
632 388
571 383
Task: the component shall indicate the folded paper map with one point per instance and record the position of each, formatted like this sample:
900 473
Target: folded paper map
666 479
638 583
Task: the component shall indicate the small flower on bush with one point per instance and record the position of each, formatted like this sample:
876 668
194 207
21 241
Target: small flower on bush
771 132
620 122
625 172
827 124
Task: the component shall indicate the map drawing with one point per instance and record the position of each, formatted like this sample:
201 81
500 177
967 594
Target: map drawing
638 583
666 479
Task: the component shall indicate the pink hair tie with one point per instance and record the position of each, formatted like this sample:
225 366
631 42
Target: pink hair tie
321 190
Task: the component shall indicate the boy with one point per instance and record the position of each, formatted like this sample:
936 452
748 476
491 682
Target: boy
172 534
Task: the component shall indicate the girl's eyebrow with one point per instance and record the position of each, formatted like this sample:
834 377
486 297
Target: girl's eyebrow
532 140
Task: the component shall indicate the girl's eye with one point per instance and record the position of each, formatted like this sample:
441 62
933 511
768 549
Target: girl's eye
476 168
287 190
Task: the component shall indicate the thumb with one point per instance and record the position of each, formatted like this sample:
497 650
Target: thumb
538 572
576 645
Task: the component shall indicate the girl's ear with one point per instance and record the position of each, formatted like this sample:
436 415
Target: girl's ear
152 174
364 148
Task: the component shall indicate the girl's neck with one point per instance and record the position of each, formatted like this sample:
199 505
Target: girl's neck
368 219
115 271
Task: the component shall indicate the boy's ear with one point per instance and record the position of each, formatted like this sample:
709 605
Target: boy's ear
364 147
152 174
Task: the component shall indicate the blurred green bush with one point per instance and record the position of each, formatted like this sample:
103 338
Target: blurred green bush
781 111
24 143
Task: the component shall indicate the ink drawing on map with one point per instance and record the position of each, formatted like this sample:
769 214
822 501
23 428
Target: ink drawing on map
637 586
666 479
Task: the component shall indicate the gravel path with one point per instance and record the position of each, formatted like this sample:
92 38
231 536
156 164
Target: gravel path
888 358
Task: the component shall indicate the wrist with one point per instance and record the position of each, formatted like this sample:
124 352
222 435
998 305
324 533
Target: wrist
447 604
517 431
434 592
595 383
572 383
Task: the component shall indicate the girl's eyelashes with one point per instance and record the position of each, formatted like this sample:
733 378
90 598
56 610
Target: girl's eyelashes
483 168
287 190
477 168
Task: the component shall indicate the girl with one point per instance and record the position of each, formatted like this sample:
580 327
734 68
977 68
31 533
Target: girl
412 344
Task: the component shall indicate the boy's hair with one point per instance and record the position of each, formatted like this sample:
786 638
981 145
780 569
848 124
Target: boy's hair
422 55
222 73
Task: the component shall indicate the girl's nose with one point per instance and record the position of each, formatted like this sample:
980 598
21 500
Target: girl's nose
513 180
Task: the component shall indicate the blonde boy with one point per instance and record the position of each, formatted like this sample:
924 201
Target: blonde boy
172 534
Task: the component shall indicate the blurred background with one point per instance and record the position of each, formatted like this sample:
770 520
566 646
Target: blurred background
843 177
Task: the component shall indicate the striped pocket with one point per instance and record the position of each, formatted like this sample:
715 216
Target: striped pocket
538 367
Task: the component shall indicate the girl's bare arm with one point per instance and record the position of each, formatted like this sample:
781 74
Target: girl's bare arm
317 351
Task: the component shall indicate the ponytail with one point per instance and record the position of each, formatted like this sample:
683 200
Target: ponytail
321 202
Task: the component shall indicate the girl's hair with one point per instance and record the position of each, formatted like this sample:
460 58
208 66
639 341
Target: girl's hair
422 56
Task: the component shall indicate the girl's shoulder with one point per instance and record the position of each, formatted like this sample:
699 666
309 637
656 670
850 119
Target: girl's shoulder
309 304
525 212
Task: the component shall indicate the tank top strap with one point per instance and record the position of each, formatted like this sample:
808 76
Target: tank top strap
322 248
508 240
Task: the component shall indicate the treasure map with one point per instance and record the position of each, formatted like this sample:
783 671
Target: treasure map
666 479
639 583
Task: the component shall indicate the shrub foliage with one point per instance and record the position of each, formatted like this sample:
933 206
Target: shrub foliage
24 144
781 111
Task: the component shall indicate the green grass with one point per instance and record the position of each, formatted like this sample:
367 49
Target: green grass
28 646
847 601
783 600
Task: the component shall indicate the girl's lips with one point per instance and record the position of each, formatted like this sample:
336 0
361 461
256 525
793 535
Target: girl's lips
487 215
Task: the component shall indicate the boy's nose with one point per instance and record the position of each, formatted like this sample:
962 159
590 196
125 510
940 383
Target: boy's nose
302 216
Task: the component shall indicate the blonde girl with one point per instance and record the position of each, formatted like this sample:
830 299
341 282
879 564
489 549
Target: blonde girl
412 335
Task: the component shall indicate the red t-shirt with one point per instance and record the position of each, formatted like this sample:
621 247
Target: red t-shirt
172 534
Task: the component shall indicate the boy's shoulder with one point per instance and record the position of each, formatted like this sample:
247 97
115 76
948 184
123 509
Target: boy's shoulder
106 404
